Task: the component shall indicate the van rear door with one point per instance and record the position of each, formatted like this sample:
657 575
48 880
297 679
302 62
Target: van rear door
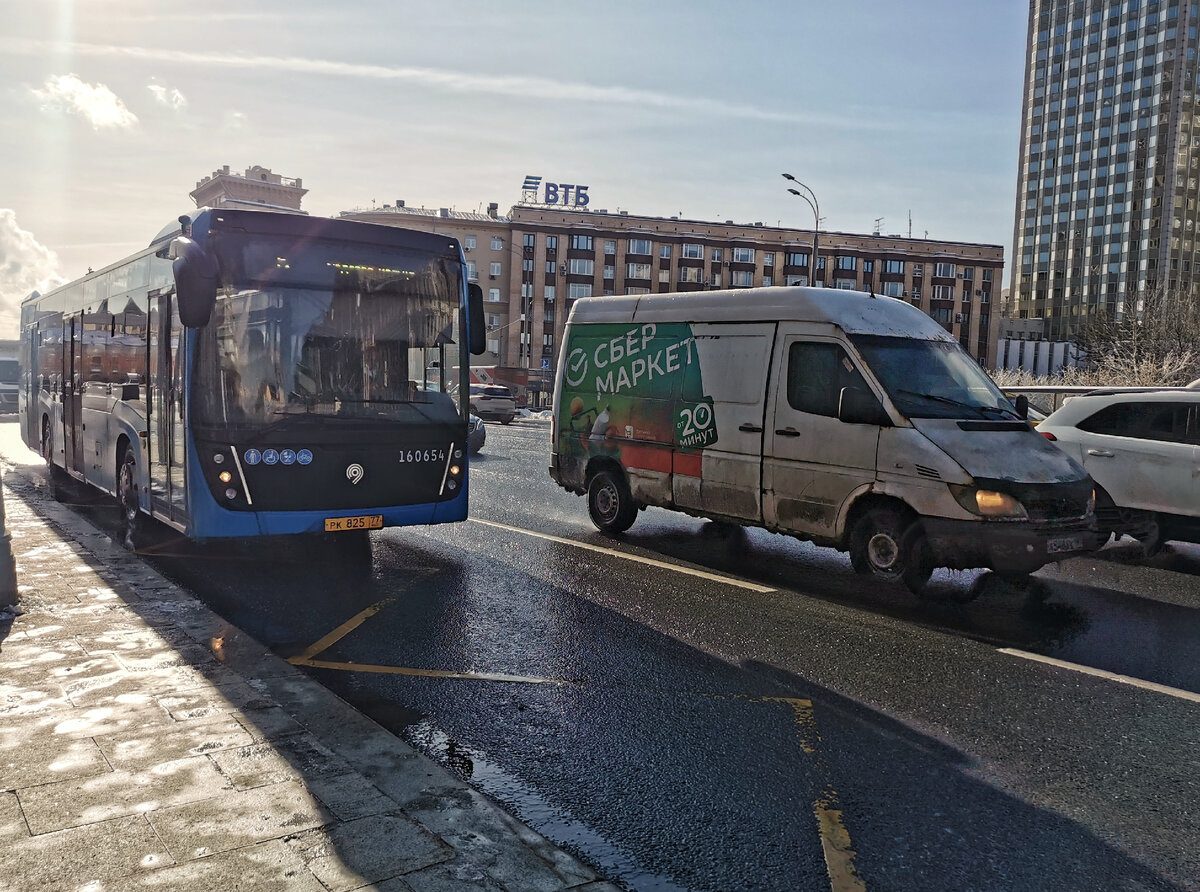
811 460
722 473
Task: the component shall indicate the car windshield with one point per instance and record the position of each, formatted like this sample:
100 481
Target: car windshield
319 334
932 379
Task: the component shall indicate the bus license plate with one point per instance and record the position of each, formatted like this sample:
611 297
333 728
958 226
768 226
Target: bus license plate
365 522
1064 544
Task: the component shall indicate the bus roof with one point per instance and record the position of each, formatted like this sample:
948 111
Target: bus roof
855 312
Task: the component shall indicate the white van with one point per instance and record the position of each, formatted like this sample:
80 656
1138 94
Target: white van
851 420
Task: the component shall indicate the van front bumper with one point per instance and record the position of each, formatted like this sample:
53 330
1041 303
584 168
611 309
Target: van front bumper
1012 547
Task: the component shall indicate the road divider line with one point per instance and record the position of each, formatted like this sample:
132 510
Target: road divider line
1103 673
835 838
715 577
340 632
424 673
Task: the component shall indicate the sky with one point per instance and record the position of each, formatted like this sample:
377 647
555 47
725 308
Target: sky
111 111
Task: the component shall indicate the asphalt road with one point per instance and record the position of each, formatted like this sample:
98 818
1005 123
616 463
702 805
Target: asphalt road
687 708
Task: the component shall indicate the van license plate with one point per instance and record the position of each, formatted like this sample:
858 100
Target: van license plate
1064 544
365 522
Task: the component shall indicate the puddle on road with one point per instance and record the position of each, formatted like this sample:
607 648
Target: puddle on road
612 862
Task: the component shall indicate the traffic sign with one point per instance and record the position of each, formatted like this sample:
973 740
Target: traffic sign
545 363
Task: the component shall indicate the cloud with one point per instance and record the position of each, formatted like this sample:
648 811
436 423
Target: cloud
172 99
457 81
95 102
26 265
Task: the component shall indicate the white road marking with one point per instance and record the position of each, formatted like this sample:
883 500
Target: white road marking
1101 673
715 577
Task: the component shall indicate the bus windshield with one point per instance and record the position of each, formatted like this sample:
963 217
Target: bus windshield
329 331
932 379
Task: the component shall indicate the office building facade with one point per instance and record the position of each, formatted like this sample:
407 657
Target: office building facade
1109 160
534 263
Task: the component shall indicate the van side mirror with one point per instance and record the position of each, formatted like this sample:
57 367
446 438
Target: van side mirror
196 272
858 406
475 319
1022 406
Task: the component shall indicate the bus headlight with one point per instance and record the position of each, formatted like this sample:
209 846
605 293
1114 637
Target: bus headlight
988 503
225 477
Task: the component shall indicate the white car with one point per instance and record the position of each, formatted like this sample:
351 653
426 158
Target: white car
1143 450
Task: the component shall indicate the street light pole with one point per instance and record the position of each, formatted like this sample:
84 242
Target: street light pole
811 200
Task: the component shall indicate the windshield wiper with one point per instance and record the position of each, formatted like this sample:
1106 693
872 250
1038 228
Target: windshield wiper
950 401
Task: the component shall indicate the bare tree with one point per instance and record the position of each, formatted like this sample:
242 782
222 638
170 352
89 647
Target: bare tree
1154 343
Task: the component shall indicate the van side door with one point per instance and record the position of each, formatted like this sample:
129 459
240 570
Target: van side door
719 421
811 460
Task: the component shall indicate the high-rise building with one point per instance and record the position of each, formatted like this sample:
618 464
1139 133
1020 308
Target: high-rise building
258 187
1110 156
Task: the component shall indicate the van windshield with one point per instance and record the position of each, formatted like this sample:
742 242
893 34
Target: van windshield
932 379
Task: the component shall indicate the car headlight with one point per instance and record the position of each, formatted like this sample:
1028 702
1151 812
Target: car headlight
988 503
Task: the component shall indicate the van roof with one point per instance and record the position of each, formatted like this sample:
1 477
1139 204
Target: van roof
855 312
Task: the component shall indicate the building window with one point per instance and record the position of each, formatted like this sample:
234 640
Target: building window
610 246
610 271
984 298
845 284
548 314
664 276
893 289
968 273
494 269
577 290
796 280
637 271
743 255
868 266
494 295
944 270
741 278
493 345
548 292
692 252
578 267
918 270
793 258
526 289
470 242
498 243
550 267
691 274
552 243
493 320
916 293
664 251
581 242
637 290
941 314
717 255
847 263
472 273
893 267
716 280
638 246
526 265
768 281
987 274
768 258
943 292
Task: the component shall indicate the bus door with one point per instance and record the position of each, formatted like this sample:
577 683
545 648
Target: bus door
73 394
168 433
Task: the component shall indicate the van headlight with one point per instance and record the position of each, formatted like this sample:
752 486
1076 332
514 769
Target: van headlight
988 502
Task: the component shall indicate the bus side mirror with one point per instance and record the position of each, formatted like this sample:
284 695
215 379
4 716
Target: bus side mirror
196 273
475 319
858 406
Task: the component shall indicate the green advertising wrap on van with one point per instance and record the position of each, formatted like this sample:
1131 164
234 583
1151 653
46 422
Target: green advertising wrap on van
639 383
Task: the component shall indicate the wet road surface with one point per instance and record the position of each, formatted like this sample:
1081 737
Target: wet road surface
688 708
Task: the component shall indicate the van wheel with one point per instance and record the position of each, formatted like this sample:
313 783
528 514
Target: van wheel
888 545
133 521
57 480
610 503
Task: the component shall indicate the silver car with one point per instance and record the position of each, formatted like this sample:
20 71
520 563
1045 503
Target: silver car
493 402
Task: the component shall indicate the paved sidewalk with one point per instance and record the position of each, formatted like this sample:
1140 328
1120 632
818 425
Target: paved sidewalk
147 744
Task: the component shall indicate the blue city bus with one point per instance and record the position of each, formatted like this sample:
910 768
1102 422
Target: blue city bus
256 373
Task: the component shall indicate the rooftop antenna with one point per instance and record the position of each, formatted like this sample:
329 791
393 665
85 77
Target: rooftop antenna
910 222
878 226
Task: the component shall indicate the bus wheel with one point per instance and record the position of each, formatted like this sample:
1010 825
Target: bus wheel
610 503
133 521
58 480
887 544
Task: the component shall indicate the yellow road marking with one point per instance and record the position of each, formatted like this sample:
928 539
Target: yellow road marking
340 632
426 673
1101 673
715 577
835 838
